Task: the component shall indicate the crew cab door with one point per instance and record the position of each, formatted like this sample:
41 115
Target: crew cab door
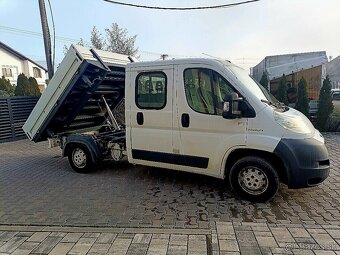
150 115
203 135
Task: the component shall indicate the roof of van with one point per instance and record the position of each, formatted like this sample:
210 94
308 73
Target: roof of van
208 61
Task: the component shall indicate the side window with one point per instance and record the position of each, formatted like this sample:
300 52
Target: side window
151 90
221 87
198 90
36 72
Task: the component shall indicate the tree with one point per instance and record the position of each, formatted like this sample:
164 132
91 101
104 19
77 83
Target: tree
27 87
23 86
34 87
97 40
325 104
4 93
118 40
281 94
264 81
302 104
6 87
81 43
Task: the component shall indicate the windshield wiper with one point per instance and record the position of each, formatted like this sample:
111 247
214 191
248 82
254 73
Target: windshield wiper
267 102
277 105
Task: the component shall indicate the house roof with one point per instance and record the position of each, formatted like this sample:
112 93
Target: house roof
19 55
277 65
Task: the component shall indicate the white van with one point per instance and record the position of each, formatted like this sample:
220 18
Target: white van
196 115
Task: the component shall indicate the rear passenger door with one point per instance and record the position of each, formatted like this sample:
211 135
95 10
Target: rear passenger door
151 113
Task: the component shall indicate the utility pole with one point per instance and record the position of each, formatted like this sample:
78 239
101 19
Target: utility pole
47 38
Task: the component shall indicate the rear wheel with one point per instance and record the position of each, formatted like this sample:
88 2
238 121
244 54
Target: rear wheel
80 159
254 179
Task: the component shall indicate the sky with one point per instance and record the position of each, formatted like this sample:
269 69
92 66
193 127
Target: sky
244 34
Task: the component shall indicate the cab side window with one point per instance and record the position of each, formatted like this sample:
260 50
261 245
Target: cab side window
151 90
222 87
205 90
198 90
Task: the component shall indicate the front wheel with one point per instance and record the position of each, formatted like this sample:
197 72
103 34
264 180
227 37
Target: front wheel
254 179
80 159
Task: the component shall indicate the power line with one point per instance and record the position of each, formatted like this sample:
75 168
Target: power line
182 8
36 34
33 34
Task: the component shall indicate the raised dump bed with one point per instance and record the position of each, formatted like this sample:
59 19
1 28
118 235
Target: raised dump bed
74 100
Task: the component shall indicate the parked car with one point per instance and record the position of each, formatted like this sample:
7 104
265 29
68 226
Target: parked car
313 108
335 94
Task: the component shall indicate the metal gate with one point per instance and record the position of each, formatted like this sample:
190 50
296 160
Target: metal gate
13 113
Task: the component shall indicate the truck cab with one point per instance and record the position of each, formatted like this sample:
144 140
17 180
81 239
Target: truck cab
202 116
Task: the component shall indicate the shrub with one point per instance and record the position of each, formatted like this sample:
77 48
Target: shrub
302 101
264 80
281 94
325 104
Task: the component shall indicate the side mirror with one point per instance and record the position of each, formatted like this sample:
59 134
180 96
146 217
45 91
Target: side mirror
231 106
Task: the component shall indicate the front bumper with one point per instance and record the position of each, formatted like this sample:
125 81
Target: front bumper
306 161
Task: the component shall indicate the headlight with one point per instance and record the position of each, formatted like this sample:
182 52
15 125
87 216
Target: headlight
293 123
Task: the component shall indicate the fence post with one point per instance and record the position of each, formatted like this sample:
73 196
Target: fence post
10 113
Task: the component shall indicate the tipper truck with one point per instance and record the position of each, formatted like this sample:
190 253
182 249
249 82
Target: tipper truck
197 115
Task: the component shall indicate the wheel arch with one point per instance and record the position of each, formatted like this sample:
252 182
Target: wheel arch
86 141
274 159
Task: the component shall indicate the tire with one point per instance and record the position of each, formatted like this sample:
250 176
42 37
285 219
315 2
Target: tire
254 179
80 159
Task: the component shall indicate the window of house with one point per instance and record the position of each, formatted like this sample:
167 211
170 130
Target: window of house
7 72
151 90
36 72
205 90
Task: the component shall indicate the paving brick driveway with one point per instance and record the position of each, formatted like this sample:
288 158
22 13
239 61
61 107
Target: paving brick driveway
38 187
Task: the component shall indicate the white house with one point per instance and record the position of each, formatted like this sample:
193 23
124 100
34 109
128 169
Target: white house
13 63
333 71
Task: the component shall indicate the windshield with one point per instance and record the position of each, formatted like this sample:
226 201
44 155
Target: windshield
257 89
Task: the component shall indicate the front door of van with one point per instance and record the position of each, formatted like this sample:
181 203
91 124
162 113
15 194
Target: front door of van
151 113
203 134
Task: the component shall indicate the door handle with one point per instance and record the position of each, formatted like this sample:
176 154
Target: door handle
185 120
140 118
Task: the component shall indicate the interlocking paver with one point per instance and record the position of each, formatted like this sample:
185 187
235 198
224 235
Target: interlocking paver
142 238
177 250
282 235
299 232
178 240
326 242
197 245
47 245
72 237
228 245
106 238
266 241
158 246
38 236
5 236
12 244
123 195
120 246
99 249
83 245
137 196
137 249
61 249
